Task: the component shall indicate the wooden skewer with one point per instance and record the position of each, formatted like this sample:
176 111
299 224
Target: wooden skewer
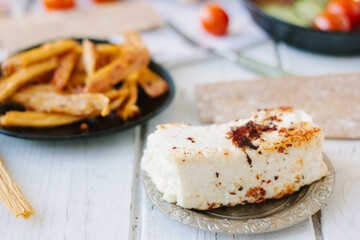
11 195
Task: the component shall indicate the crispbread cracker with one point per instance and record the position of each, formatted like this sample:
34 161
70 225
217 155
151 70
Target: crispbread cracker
101 21
332 100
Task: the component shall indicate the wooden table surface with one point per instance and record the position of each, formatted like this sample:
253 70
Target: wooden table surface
92 188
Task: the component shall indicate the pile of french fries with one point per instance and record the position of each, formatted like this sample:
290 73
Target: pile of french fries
66 81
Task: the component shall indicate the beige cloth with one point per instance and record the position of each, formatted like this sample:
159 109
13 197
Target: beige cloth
101 21
333 101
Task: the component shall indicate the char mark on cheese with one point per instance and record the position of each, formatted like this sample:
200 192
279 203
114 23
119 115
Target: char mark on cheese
248 159
243 135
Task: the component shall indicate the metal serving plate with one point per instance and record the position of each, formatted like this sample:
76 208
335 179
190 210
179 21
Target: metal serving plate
269 216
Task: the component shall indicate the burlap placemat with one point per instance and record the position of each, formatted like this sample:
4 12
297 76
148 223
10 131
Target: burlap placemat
333 100
100 22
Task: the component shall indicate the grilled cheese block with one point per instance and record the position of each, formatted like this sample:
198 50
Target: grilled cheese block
270 155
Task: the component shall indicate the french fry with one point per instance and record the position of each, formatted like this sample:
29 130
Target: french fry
103 48
64 69
77 78
108 49
134 57
97 56
129 109
117 102
10 65
108 53
36 119
112 93
153 84
44 99
9 85
12 197
43 52
76 83
79 66
90 57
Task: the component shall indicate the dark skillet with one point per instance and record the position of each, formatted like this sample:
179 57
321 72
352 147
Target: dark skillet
98 125
335 43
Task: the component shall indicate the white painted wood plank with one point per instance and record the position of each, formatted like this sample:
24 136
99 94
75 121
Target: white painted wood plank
340 219
154 224
79 189
301 62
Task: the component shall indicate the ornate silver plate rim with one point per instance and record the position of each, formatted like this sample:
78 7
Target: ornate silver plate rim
316 195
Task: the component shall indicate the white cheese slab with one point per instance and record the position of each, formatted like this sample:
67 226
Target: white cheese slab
204 167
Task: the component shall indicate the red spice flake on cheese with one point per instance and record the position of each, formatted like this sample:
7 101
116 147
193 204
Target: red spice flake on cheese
191 139
211 205
174 147
275 118
256 193
217 174
232 193
276 178
243 135
270 120
281 149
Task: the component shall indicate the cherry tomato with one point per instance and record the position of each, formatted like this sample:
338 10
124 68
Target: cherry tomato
103 1
214 19
349 7
59 4
327 21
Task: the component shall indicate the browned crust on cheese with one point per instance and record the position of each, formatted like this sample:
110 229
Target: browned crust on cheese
296 135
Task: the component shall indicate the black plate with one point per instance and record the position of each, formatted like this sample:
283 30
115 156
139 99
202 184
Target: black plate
336 43
98 125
